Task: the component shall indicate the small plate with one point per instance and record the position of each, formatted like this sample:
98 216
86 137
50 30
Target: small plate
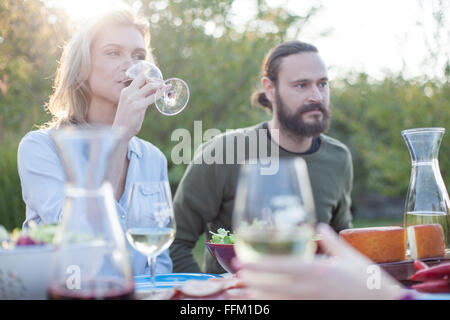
403 270
169 280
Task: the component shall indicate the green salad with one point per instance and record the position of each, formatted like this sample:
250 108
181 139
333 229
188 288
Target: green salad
34 235
43 234
222 237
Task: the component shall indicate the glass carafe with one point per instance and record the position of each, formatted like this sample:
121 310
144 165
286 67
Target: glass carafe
427 200
91 259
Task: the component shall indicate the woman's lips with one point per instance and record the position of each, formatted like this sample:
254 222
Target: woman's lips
125 82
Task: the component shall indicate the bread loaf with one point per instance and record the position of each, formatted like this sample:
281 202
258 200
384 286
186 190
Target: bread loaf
379 244
426 241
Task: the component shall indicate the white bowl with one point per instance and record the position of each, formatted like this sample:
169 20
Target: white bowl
24 272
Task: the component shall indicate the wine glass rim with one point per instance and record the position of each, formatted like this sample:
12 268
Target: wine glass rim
219 244
145 62
423 130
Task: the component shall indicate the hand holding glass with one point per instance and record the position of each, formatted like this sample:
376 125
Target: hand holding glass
150 221
171 101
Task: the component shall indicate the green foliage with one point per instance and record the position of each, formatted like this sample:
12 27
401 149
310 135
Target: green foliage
369 116
32 36
196 41
12 208
222 66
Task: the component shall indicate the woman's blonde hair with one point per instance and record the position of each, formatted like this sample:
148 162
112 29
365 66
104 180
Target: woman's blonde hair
69 102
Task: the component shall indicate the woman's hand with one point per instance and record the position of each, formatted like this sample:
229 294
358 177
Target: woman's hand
133 103
345 275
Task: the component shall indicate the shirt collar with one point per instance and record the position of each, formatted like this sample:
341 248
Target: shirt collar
134 147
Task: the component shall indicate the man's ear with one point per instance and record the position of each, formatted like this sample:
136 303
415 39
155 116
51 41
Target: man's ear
269 89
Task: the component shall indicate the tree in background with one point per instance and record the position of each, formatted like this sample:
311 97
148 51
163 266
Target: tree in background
31 36
192 39
369 116
196 40
436 34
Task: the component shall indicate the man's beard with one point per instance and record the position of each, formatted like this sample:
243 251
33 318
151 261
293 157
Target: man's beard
294 122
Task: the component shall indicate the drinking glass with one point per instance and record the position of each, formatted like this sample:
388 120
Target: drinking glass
171 101
274 215
150 221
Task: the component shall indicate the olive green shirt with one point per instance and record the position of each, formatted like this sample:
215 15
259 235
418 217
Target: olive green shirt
204 200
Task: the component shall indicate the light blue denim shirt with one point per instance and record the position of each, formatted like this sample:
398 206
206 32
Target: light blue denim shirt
42 178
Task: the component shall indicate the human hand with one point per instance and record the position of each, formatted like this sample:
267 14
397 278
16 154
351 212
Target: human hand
134 101
345 275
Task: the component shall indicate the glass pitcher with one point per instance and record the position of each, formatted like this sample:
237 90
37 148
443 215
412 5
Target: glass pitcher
427 200
91 260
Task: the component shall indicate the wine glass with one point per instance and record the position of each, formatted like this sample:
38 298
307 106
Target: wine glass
150 221
274 215
171 101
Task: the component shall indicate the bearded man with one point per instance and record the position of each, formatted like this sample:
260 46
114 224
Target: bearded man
295 89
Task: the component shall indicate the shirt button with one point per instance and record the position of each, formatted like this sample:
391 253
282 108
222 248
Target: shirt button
123 217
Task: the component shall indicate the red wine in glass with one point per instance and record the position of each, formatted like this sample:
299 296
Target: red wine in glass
99 289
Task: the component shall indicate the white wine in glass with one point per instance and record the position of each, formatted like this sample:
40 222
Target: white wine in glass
150 221
150 241
274 215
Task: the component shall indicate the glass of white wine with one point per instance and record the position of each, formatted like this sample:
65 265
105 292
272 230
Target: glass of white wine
150 221
274 215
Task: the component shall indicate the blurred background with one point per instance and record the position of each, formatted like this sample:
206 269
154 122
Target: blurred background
389 69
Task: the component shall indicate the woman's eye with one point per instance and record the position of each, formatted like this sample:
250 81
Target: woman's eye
113 53
139 57
323 84
301 85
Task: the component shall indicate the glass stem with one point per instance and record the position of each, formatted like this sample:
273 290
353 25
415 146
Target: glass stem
152 267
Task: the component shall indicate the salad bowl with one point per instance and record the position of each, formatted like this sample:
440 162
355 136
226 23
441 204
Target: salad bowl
221 246
224 254
24 272
25 260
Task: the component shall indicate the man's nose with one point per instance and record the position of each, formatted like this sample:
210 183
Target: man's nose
315 95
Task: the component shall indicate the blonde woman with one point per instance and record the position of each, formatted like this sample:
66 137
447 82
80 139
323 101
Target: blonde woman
90 88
